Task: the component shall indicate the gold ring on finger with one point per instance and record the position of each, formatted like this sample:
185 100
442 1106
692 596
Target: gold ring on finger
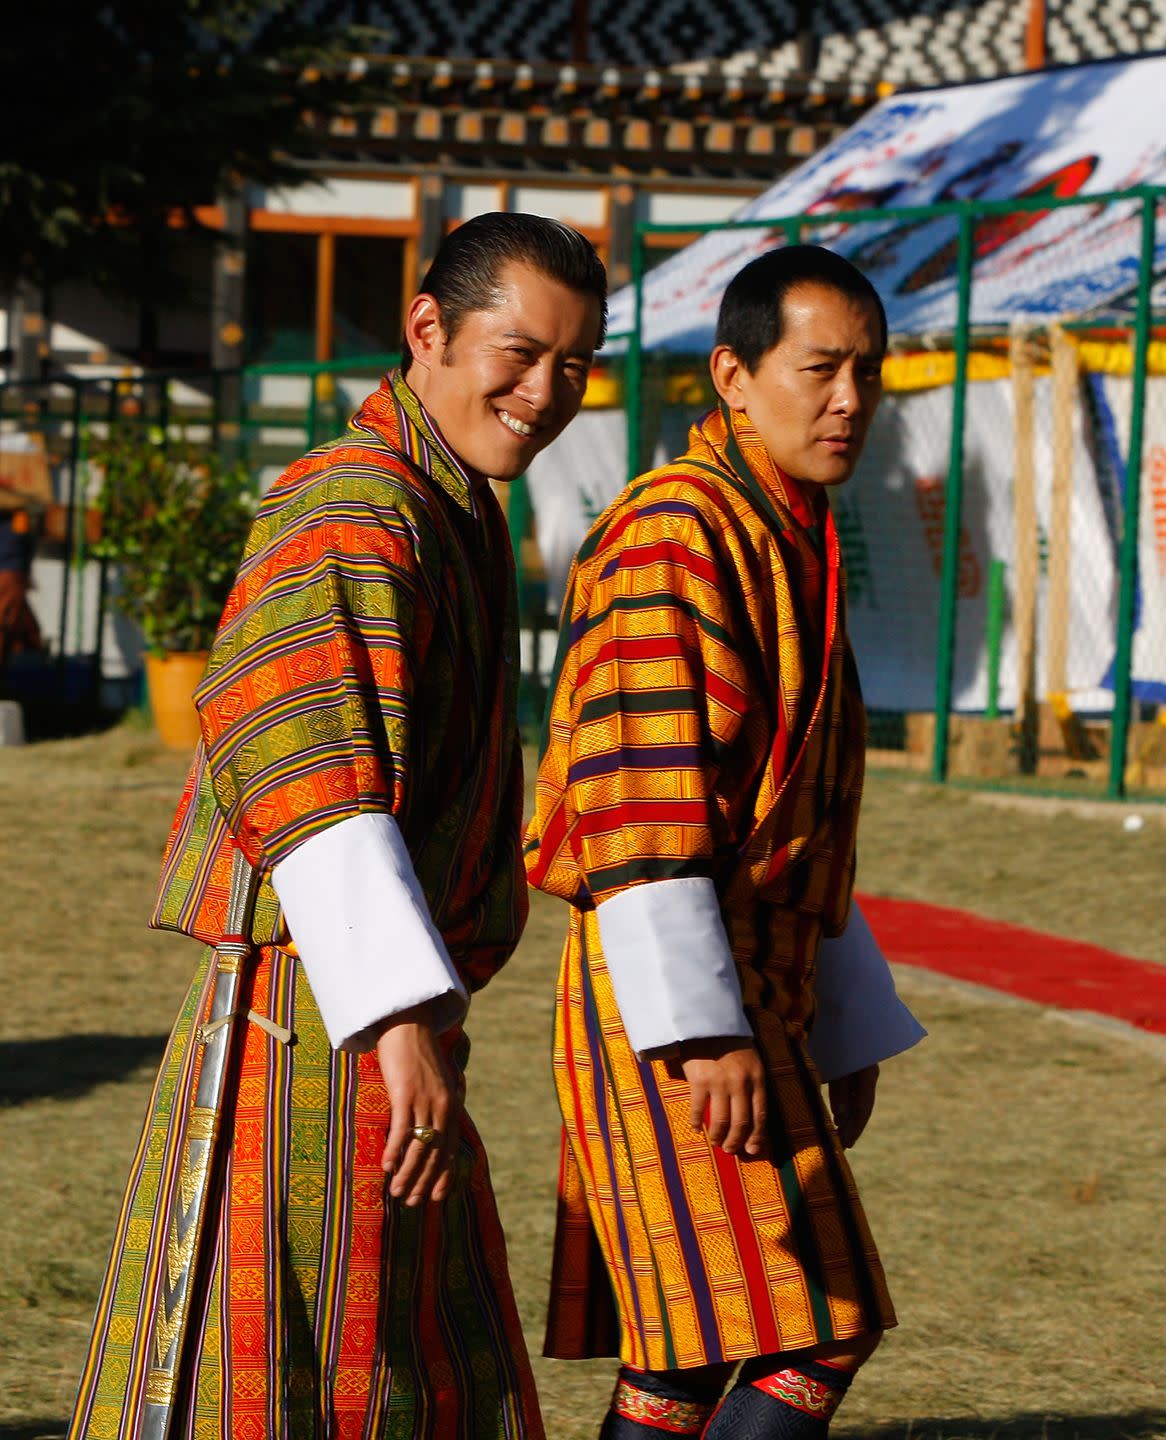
424 1134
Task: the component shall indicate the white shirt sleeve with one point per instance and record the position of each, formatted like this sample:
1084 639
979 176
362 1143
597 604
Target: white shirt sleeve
670 964
674 979
860 1020
362 927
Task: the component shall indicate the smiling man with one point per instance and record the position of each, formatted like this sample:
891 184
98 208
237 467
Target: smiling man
360 748
696 805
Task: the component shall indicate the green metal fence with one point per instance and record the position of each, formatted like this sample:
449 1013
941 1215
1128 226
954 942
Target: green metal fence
1044 628
1006 548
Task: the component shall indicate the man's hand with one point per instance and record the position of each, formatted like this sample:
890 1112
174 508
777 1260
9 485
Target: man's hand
422 1091
726 1079
852 1099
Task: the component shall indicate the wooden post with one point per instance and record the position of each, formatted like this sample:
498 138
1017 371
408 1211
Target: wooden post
1035 48
1078 745
1064 384
621 224
228 297
28 330
1025 561
409 274
580 32
325 293
229 319
431 215
805 37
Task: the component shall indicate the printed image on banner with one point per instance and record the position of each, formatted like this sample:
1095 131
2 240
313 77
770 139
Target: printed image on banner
1054 134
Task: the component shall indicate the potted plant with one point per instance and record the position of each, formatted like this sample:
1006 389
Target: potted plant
174 516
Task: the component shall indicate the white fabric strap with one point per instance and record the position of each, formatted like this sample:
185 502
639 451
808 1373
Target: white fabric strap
860 1020
670 964
362 927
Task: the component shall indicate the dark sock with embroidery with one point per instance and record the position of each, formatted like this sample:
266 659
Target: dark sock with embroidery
662 1402
781 1398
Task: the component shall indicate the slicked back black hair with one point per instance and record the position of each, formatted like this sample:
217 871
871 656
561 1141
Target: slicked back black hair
752 314
464 274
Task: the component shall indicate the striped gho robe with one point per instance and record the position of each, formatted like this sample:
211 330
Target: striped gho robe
704 747
366 665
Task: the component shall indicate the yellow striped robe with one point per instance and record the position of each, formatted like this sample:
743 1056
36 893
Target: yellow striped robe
706 720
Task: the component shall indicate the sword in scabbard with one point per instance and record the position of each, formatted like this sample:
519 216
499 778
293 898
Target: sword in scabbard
197 1168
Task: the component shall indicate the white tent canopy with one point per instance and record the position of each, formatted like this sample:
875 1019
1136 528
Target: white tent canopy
1083 130
1088 130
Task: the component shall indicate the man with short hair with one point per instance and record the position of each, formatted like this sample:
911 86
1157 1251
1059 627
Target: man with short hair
697 802
360 747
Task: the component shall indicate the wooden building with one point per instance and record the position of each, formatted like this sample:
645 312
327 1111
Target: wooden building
600 112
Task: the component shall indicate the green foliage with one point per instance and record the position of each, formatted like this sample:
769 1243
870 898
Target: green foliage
120 115
174 516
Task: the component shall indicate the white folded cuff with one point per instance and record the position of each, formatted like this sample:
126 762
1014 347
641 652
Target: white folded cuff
859 1020
361 925
670 964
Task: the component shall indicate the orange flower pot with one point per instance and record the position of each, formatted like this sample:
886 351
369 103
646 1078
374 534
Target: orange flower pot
170 682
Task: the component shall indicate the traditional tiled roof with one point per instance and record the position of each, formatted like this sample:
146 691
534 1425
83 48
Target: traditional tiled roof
903 42
521 115
935 42
740 87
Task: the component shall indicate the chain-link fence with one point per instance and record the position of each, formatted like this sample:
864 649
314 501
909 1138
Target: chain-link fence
1006 556
85 658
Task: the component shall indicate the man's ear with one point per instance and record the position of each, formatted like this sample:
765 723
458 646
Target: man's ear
424 331
726 369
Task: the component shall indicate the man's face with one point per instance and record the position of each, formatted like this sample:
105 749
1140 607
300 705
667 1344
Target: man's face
512 376
814 394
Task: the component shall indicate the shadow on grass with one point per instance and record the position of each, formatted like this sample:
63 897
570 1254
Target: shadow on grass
33 1429
69 1065
1138 1425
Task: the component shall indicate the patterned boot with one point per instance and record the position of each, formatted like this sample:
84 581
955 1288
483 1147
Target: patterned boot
781 1398
651 1403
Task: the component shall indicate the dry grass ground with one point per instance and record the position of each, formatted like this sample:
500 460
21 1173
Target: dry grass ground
1012 1171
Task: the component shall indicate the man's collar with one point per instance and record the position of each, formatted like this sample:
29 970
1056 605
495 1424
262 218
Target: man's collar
396 414
737 447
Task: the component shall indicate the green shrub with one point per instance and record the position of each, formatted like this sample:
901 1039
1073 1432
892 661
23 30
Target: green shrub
174 516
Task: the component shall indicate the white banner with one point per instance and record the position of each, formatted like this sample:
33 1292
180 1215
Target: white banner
1088 129
1148 662
891 521
891 518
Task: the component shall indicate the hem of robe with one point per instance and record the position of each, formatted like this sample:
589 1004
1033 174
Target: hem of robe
670 1253
323 1304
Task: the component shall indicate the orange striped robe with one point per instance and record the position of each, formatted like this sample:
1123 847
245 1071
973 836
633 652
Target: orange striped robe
705 720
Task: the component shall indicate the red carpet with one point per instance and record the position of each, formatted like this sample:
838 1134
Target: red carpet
1064 973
